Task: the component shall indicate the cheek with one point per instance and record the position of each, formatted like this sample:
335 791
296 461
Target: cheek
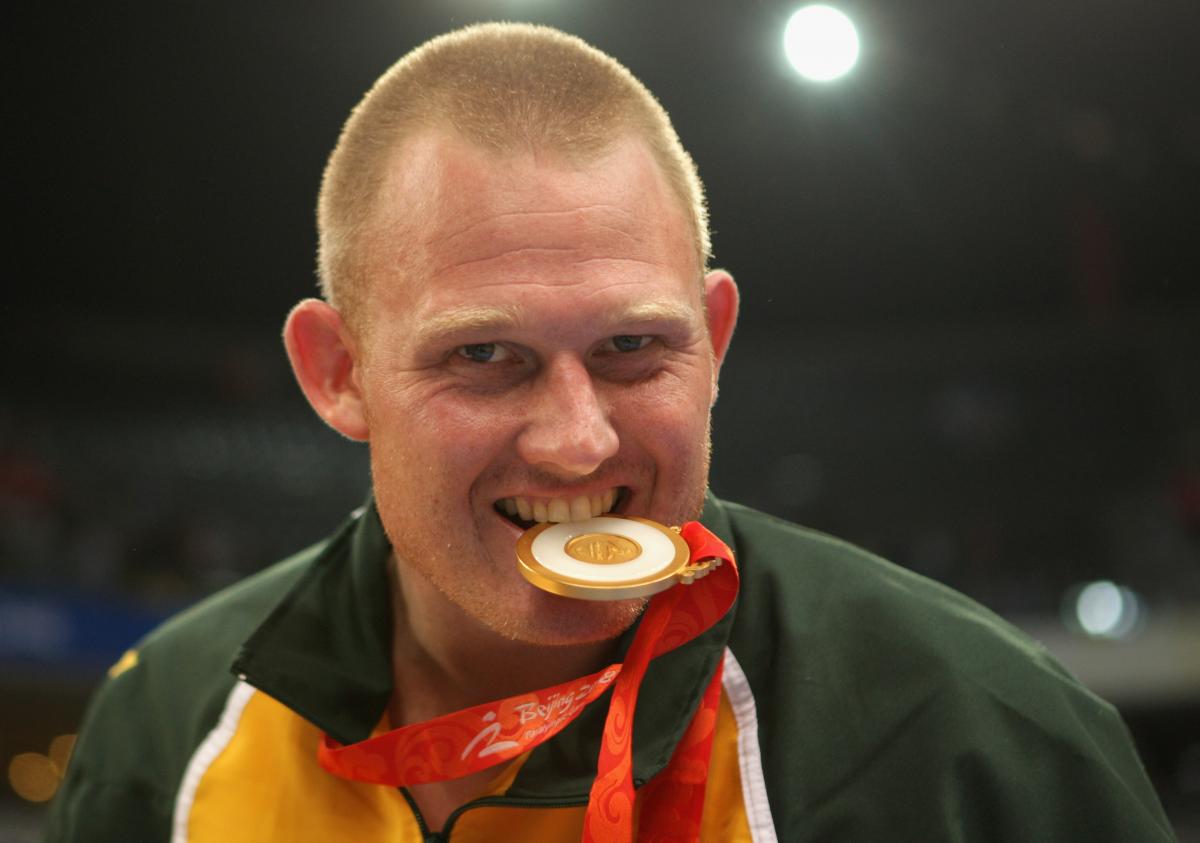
421 410
475 422
453 436
682 387
669 416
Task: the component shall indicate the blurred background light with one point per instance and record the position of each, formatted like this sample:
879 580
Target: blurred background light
1106 610
35 777
821 43
32 776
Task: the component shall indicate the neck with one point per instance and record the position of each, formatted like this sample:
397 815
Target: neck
444 660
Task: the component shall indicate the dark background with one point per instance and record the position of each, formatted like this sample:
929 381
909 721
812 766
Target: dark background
970 338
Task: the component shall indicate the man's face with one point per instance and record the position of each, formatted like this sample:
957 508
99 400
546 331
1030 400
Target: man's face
538 343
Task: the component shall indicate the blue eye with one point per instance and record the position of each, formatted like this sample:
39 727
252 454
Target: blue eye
484 352
628 342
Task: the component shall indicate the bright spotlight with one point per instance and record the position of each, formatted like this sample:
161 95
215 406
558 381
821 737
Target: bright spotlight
821 43
1106 610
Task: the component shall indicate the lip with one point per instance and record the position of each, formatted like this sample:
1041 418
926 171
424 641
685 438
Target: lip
505 524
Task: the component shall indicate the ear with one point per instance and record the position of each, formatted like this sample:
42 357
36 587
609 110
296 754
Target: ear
324 359
721 306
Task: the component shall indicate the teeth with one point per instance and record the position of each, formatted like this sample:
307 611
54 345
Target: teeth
579 508
558 510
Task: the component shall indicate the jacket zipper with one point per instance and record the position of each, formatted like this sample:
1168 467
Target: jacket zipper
426 835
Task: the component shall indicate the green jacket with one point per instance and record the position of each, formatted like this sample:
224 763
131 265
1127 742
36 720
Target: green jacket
870 704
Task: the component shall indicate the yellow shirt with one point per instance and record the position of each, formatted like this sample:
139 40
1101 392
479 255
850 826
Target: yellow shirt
257 779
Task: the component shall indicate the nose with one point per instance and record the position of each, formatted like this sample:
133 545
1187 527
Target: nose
568 427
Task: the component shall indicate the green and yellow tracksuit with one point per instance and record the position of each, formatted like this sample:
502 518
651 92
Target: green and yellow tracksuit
861 702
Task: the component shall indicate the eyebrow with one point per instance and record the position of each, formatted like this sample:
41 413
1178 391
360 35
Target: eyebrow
474 318
656 312
495 320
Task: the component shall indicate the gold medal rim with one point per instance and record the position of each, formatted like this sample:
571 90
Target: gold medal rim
555 583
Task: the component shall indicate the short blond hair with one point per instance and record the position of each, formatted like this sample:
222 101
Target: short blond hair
504 86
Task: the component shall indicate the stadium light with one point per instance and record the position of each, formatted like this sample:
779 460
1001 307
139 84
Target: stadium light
821 43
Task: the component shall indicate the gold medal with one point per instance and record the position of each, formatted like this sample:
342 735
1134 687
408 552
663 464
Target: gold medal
612 557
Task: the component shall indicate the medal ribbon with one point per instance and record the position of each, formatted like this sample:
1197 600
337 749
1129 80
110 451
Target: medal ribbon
473 739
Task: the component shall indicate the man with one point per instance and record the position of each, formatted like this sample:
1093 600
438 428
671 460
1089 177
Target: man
519 320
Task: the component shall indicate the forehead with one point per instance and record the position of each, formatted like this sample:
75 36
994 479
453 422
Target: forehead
454 216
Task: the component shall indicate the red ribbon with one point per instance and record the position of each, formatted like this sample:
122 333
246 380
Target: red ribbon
473 739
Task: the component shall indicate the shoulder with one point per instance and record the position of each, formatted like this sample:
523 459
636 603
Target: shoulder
888 700
208 634
818 593
155 707
181 670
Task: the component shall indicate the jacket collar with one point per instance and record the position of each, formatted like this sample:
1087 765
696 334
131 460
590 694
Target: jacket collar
325 652
325 649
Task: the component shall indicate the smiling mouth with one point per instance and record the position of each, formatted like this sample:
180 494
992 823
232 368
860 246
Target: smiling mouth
525 512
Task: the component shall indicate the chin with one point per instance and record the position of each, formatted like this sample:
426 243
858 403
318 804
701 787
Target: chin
548 620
